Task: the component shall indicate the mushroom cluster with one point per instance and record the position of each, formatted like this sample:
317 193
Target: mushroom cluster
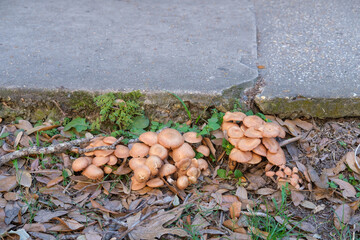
96 163
169 155
252 138
285 174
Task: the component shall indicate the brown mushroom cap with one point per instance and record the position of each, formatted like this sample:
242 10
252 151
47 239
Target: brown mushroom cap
192 179
253 133
112 161
294 181
142 174
158 150
192 137
268 167
108 169
167 169
276 158
103 153
253 121
202 164
139 150
280 174
136 162
226 125
183 164
89 154
204 150
270 173
235 132
100 161
155 182
154 163
149 138
234 116
270 130
80 164
193 172
271 144
170 138
255 159
287 171
240 156
234 141
182 182
248 144
122 151
260 150
282 132
235 209
182 152
206 172
135 185
93 172
109 140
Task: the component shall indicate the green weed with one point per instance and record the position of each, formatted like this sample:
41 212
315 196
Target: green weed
184 105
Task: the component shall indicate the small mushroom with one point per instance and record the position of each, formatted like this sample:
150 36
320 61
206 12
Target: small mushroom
108 169
184 151
109 140
248 144
89 154
122 151
295 170
112 161
149 138
271 144
276 158
192 137
206 172
253 121
253 133
193 172
182 182
280 174
240 156
142 174
204 150
235 132
255 159
234 141
234 116
103 153
158 150
183 164
287 171
270 130
192 179
170 138
80 164
100 161
136 162
270 173
226 125
154 163
167 169
155 182
268 167
135 185
93 172
282 132
231 164
202 164
139 150
294 181
235 209
260 150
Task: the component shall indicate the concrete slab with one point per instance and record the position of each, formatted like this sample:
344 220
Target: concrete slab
203 47
311 53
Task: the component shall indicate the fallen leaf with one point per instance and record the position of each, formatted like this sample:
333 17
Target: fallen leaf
294 130
241 193
34 227
54 181
100 207
308 205
319 208
305 226
297 197
340 166
43 236
350 160
18 138
8 183
233 226
348 189
43 216
21 233
255 181
265 191
303 124
258 232
24 124
41 128
315 177
342 215
70 223
24 178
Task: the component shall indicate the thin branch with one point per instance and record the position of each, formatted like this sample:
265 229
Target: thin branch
290 140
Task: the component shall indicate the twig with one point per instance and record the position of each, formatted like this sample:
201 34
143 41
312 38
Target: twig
54 148
259 214
109 147
290 140
58 106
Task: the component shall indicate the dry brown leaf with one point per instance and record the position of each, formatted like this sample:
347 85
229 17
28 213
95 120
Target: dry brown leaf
24 178
342 215
255 181
34 227
340 166
44 216
294 130
297 197
41 128
265 191
233 226
100 207
305 226
350 160
315 177
241 193
348 189
303 124
303 169
308 205
8 183
18 138
210 146
258 232
70 223
2 215
24 124
54 181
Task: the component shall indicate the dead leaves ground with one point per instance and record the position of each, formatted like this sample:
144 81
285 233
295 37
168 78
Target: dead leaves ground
41 199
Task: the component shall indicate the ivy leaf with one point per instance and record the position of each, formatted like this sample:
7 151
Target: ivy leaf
238 173
221 173
79 124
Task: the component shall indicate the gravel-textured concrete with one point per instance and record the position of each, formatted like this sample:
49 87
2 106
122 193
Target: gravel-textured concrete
311 53
203 46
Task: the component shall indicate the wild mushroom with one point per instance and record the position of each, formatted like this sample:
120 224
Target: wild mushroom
154 163
93 172
193 172
142 174
234 116
202 164
271 144
183 164
182 182
135 185
136 162
170 138
108 169
109 140
155 182
192 137
270 173
287 171
139 150
276 158
101 153
158 150
166 170
204 150
100 161
260 150
184 151
122 151
270 130
149 138
80 164
234 141
235 132
226 125
240 156
253 121
248 144
253 133
206 172
112 160
255 159
280 174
